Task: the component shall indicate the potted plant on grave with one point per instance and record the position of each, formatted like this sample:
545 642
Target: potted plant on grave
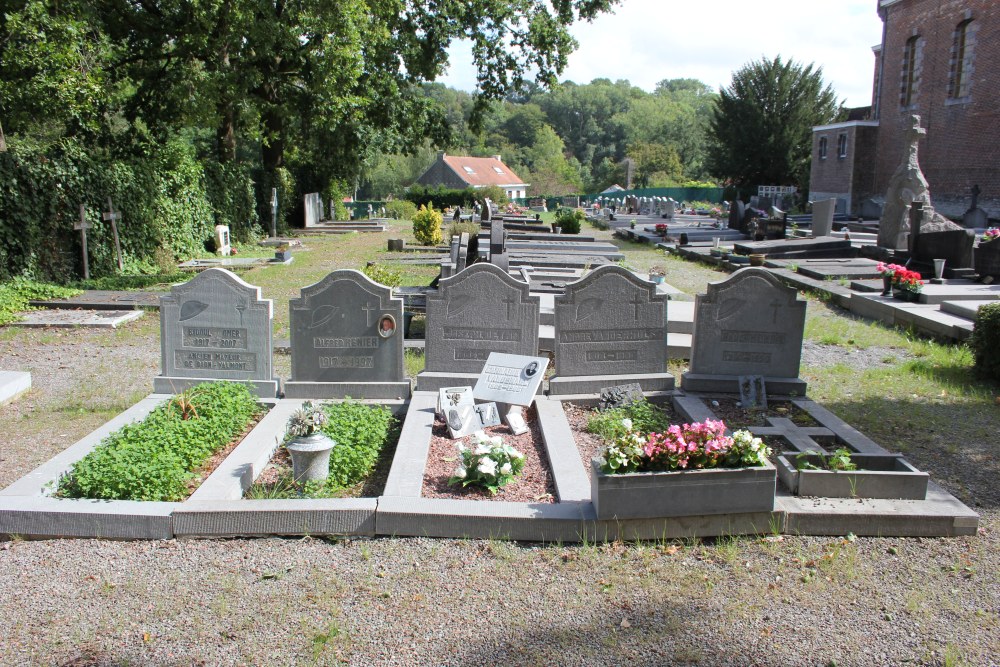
661 229
657 274
491 465
308 445
987 255
887 272
907 284
282 253
688 470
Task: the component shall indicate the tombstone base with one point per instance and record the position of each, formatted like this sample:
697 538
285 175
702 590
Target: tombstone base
377 390
172 385
593 384
730 384
436 380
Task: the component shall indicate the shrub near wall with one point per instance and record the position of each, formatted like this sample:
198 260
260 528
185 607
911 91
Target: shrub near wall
985 341
161 197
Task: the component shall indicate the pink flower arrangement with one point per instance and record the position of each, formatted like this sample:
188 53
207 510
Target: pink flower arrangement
905 279
991 234
888 269
698 445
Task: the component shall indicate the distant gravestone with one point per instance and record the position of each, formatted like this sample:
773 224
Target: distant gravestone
222 245
215 327
347 340
736 212
610 328
478 311
498 250
749 324
313 209
822 217
463 253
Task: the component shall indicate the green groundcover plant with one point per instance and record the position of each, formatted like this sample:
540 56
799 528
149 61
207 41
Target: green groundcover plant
360 432
156 459
15 295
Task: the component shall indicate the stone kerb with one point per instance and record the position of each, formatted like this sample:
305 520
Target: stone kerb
748 324
610 328
347 340
480 310
215 327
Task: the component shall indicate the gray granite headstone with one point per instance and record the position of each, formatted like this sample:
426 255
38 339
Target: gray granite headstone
610 325
347 340
749 324
822 218
480 310
215 327
498 250
736 212
463 252
311 204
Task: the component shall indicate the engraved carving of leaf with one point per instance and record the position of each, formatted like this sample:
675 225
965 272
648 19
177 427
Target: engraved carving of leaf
191 308
587 308
322 315
459 304
730 307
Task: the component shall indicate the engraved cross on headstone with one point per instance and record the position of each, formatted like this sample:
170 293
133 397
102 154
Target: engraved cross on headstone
113 217
636 301
775 305
510 301
82 227
975 197
368 308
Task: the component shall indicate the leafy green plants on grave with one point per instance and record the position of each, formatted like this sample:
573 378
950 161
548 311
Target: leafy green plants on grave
157 459
491 465
840 460
15 295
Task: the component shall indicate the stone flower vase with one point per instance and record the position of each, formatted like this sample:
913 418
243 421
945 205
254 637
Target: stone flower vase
886 285
310 457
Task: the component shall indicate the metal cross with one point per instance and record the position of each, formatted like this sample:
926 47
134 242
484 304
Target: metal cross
274 212
113 217
368 308
83 226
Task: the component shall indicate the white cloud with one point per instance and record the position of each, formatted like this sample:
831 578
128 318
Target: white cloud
647 41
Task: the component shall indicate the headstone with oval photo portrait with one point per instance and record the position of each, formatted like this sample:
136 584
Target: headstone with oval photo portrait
347 340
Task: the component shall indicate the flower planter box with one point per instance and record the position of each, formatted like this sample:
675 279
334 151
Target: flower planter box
987 259
282 255
878 476
648 495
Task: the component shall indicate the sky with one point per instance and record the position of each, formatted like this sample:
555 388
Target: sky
647 41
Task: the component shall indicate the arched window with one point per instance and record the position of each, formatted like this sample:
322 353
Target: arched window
908 85
961 61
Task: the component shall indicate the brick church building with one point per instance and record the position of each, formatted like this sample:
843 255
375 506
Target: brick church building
940 60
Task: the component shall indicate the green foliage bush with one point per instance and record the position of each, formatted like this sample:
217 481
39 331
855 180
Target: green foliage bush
424 195
383 275
155 458
457 228
427 226
646 418
400 209
161 196
985 341
116 283
15 295
570 219
360 432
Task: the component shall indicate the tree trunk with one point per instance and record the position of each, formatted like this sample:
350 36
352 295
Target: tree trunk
226 133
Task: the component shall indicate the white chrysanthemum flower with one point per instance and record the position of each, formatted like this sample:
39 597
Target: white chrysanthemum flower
516 454
479 435
496 441
482 448
627 423
505 469
460 446
487 467
459 472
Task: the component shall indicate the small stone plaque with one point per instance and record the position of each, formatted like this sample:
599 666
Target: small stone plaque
620 396
477 312
753 393
515 420
450 397
510 378
489 414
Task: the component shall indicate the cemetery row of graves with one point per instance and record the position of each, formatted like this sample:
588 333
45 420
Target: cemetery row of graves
585 436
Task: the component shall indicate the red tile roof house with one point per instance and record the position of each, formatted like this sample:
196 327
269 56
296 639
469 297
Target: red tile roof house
453 171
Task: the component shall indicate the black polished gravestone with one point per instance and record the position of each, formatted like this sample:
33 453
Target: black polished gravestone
347 340
478 311
610 328
215 327
748 324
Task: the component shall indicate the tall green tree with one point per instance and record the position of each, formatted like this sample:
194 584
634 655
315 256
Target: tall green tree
760 132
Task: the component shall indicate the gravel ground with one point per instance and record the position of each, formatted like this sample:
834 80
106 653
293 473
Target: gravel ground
778 600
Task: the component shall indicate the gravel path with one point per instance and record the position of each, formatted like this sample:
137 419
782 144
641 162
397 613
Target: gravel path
748 601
